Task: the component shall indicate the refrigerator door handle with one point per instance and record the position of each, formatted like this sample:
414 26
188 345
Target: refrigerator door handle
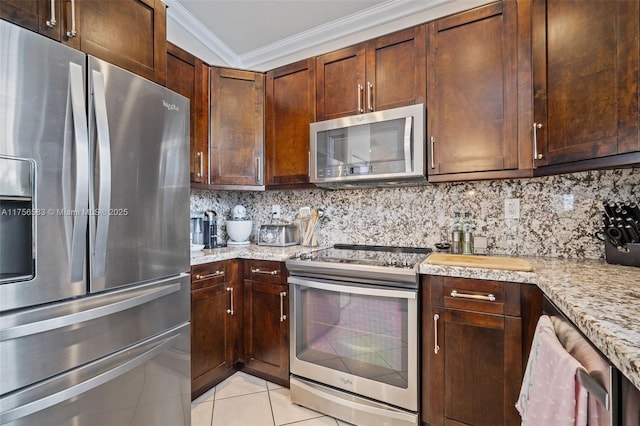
91 312
104 165
75 218
22 404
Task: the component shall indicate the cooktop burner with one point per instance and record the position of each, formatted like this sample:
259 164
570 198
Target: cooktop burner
400 257
361 261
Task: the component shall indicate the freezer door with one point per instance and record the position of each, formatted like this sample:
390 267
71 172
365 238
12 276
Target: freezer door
146 384
36 344
139 132
43 136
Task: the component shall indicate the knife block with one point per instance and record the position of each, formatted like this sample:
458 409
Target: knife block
617 257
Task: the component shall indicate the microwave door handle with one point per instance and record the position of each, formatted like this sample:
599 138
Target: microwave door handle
104 164
407 144
75 216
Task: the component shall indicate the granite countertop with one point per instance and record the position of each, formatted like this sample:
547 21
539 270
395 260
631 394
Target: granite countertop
252 251
602 300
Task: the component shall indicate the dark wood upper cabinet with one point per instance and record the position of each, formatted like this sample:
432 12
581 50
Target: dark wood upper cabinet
237 129
128 33
585 59
189 76
290 95
43 16
472 107
382 73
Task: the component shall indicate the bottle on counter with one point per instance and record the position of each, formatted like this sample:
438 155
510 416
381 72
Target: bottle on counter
456 235
467 234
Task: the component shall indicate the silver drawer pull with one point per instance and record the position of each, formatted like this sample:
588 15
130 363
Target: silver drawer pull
215 274
436 348
260 271
488 297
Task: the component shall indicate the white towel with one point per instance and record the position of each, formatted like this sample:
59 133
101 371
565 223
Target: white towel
550 393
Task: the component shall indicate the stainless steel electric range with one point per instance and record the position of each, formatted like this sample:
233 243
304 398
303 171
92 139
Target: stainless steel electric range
354 332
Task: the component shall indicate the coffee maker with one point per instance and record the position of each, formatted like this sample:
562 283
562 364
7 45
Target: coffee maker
211 230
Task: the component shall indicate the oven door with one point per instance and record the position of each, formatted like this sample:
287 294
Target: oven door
358 338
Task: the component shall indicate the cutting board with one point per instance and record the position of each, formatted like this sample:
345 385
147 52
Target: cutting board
490 262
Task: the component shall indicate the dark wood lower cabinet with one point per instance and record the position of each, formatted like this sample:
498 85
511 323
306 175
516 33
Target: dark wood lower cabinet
216 320
238 324
474 349
266 323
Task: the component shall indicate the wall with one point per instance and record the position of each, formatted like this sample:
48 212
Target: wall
422 216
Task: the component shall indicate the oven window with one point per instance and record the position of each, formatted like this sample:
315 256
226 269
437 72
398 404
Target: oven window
365 336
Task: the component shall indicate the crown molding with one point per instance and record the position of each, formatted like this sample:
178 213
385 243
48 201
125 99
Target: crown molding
377 20
189 23
339 29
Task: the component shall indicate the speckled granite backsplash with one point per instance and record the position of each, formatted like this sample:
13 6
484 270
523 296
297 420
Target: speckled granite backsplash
549 225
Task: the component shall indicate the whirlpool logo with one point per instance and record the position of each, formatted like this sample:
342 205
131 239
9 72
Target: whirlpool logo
170 107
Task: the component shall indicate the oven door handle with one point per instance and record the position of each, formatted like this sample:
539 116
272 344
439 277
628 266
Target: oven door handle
346 288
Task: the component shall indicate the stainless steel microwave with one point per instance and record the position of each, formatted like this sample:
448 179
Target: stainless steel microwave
378 148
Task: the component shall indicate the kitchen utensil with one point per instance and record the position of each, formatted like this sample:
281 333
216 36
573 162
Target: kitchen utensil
211 230
239 232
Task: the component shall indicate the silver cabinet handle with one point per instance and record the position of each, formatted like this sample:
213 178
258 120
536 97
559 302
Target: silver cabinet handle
536 155
283 317
260 271
199 155
52 22
369 96
73 32
432 141
360 91
215 274
258 170
230 310
436 348
488 297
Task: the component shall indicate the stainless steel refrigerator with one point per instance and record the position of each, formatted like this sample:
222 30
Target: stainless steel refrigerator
94 237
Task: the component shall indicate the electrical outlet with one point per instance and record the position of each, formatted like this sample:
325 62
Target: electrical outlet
568 202
275 211
512 208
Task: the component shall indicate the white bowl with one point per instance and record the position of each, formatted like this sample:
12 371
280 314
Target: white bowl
239 230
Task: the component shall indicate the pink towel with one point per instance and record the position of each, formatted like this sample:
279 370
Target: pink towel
597 366
550 393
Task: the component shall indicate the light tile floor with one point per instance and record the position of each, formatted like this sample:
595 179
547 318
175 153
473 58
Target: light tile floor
244 400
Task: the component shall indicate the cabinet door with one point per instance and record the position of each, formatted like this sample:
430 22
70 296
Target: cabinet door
340 83
128 33
266 340
216 313
290 107
477 367
43 16
585 58
189 76
472 86
396 70
237 127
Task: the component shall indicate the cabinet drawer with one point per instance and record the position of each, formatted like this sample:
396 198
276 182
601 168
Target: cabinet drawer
210 273
265 270
495 297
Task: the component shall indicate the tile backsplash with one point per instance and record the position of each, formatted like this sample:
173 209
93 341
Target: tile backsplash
558 214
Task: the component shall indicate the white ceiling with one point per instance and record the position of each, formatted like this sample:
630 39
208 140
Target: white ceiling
263 34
